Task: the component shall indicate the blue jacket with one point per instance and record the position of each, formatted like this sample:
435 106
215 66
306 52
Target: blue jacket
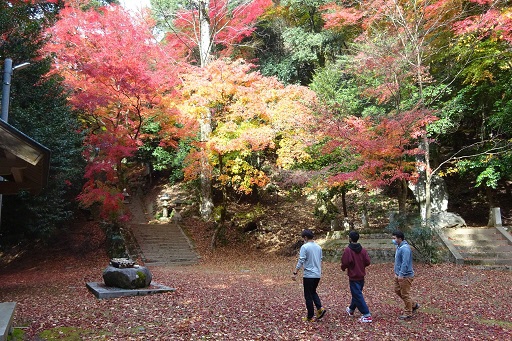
310 257
403 260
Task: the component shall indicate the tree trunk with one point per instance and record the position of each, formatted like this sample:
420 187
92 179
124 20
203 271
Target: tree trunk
206 200
402 196
344 202
204 32
428 180
218 228
205 122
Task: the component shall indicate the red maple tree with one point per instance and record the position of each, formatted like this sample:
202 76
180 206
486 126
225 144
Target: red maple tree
119 76
215 27
382 150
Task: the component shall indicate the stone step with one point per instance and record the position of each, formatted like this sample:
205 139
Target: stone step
485 254
362 240
479 239
484 248
376 255
466 232
6 318
168 255
148 260
489 261
164 244
173 252
480 243
470 230
164 247
481 246
379 247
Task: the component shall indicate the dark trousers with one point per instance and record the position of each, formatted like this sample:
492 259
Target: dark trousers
310 295
356 289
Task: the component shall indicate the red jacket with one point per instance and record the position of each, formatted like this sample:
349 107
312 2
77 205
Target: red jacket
355 259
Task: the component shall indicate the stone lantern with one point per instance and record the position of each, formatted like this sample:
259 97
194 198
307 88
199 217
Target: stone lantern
165 205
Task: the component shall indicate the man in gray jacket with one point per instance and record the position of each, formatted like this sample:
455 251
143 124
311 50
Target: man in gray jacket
404 274
310 259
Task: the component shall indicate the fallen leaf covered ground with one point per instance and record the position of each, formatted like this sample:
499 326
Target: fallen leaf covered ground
249 295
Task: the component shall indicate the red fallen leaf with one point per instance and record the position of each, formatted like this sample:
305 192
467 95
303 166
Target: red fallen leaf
216 300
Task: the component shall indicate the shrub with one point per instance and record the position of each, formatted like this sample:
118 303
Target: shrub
422 238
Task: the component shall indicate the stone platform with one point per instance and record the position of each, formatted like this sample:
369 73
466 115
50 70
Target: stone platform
101 291
6 317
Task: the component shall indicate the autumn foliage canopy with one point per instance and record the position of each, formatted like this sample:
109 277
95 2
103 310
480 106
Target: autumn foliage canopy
257 120
119 76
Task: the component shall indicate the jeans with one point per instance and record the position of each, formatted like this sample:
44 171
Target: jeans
403 290
356 289
310 295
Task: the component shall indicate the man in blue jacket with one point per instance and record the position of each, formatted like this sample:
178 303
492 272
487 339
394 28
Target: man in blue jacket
310 258
404 274
355 259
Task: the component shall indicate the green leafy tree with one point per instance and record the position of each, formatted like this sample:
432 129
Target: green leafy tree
39 108
395 43
472 69
444 56
294 43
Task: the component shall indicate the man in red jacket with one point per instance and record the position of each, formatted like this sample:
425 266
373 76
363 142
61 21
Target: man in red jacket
355 259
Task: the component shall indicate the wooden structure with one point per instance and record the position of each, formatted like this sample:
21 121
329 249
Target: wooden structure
24 163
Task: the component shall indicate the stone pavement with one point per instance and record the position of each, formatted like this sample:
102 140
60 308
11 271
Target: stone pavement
160 244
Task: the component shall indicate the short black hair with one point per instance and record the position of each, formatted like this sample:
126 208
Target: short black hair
354 236
399 234
308 234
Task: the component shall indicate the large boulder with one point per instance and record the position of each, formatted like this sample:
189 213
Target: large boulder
438 220
127 278
447 220
438 194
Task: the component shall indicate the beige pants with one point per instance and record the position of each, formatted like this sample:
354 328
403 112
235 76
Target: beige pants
403 290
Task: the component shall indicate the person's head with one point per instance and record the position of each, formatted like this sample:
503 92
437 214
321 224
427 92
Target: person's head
353 236
308 234
398 236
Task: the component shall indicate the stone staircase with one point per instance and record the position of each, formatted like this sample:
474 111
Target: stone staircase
490 247
379 246
163 244
485 247
159 244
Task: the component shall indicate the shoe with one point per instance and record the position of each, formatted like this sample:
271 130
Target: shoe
405 317
349 312
309 319
416 307
367 319
320 313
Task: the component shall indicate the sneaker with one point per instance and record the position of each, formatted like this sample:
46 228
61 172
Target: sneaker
309 319
320 313
366 319
416 307
405 317
349 312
